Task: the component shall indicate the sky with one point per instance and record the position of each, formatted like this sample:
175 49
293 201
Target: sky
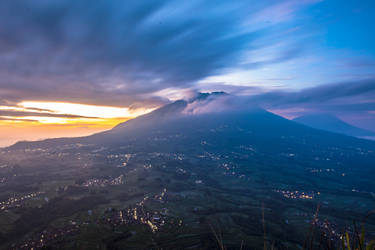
72 68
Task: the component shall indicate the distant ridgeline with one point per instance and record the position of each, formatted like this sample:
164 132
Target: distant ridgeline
331 123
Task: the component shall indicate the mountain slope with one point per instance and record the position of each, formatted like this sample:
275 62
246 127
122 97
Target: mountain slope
171 128
332 123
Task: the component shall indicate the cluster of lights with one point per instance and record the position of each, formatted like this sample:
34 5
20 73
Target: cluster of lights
296 194
104 182
14 200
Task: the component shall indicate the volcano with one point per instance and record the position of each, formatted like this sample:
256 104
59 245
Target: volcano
186 124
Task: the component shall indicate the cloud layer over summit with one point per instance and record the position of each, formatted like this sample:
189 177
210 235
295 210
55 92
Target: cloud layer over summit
140 54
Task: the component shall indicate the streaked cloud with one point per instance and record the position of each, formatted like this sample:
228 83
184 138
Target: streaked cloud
67 113
122 53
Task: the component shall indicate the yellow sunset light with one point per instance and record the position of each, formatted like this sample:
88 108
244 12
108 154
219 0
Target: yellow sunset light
74 119
81 109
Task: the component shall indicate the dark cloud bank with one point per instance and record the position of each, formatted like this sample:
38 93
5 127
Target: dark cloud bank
122 52
115 52
360 93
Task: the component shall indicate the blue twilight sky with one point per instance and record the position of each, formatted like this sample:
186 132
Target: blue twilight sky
292 57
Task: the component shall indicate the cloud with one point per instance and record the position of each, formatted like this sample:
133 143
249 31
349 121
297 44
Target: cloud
17 120
350 91
217 102
121 52
281 11
208 103
286 55
13 113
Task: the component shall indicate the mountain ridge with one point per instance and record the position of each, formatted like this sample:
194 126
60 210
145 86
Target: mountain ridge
244 123
332 123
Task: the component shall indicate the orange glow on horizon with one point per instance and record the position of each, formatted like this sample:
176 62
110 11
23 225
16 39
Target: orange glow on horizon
59 119
83 109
